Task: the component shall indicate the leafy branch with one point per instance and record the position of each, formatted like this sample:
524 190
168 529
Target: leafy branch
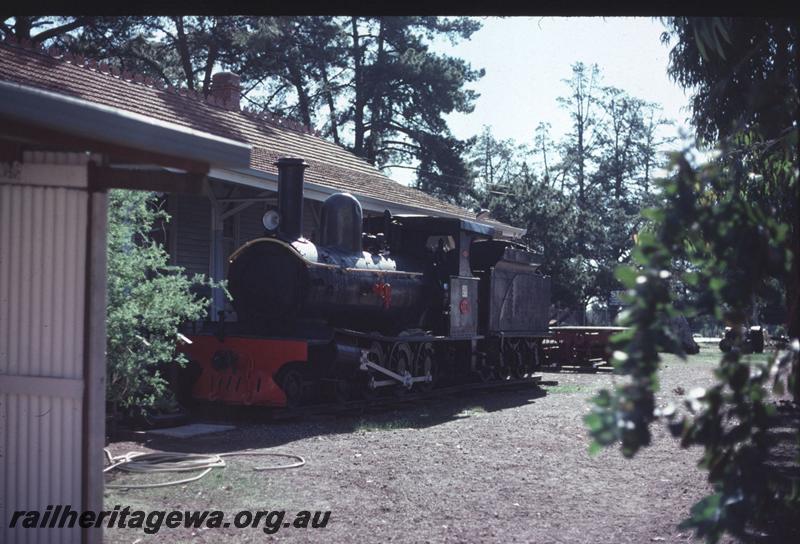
734 244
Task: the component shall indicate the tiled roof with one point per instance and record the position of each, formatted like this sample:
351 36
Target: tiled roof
330 165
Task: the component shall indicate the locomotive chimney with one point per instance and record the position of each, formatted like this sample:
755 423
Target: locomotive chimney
290 196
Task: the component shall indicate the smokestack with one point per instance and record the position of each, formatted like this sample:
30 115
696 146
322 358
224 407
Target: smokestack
290 196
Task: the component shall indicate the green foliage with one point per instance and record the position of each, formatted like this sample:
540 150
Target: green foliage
402 90
743 72
147 302
579 199
728 232
735 246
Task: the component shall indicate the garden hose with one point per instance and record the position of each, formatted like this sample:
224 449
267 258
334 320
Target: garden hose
167 461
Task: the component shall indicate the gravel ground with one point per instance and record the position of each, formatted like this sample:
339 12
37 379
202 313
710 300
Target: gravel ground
480 467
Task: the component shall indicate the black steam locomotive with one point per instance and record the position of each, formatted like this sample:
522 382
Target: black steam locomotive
385 303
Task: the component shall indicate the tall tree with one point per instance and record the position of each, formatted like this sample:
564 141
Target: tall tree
734 221
544 147
401 90
302 55
181 51
495 163
745 75
584 218
624 122
506 184
582 106
743 72
604 160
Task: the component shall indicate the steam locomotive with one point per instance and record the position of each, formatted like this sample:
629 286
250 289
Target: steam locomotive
380 305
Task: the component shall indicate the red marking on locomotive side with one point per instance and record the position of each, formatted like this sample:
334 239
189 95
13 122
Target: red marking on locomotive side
384 291
245 368
464 306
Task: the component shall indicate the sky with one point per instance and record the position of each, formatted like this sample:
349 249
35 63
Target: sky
526 59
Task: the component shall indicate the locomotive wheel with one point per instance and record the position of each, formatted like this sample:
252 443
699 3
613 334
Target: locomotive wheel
426 365
527 357
513 361
377 355
400 361
339 391
367 393
291 382
491 365
486 372
534 360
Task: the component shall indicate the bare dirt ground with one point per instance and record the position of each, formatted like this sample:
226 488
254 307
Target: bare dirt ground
478 467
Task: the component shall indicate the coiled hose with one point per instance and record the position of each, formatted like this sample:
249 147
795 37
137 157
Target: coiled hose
168 461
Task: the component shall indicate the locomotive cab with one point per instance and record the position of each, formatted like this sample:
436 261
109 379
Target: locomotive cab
440 246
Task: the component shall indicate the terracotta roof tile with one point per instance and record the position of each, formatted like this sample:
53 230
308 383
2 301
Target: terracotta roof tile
330 165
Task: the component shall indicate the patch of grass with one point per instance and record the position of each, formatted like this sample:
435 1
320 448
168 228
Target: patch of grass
368 426
711 355
707 355
471 411
235 487
573 388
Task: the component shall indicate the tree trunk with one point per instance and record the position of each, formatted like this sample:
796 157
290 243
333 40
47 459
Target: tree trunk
212 59
358 83
581 166
793 298
544 158
183 51
581 195
617 165
303 100
22 28
331 105
375 124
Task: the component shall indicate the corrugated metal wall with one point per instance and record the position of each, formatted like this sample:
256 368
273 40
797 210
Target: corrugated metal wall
43 234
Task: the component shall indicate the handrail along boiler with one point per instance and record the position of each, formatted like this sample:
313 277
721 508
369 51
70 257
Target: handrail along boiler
380 304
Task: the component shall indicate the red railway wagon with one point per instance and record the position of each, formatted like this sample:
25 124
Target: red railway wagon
579 345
